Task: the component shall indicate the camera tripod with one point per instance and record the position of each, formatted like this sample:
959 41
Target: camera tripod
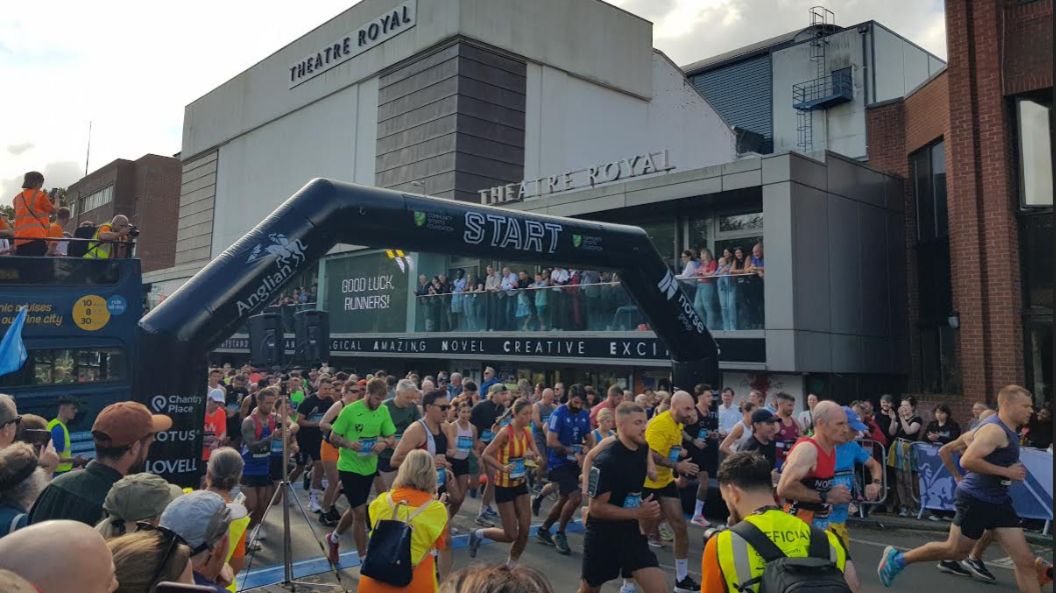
283 494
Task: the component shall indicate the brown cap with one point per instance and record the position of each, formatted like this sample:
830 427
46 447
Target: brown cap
124 423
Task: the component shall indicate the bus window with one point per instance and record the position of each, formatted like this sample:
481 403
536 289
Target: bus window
61 366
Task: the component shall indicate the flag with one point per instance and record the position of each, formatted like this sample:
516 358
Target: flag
12 348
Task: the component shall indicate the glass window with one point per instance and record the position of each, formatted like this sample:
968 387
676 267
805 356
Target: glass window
741 222
1035 151
698 235
99 198
662 235
69 366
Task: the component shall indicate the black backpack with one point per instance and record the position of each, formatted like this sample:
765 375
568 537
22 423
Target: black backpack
79 248
388 557
814 574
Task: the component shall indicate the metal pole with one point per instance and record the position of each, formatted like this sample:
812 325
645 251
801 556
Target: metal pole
287 545
89 151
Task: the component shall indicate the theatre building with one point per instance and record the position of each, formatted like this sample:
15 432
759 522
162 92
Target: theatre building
564 107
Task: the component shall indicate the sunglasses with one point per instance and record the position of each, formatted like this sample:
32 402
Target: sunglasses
175 539
443 407
16 421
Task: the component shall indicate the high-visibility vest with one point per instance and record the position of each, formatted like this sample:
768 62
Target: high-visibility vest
65 454
235 532
740 563
97 250
30 222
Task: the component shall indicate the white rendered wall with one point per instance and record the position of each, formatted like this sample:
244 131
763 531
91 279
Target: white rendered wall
900 65
572 124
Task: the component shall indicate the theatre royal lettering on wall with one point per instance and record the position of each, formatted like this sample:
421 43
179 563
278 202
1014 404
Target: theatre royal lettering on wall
621 170
374 32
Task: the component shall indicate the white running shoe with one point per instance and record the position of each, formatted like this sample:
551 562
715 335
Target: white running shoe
313 502
700 521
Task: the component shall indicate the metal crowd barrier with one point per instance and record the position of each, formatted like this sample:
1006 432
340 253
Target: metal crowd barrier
862 477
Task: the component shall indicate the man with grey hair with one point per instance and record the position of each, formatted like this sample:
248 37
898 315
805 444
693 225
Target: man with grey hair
9 420
203 520
403 409
807 478
454 388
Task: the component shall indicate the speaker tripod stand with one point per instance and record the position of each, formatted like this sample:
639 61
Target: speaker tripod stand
283 494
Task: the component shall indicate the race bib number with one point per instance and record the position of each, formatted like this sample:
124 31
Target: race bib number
674 454
703 434
465 444
316 418
487 436
233 409
276 447
504 423
518 468
366 447
633 501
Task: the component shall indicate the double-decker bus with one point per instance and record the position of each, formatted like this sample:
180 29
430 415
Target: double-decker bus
80 334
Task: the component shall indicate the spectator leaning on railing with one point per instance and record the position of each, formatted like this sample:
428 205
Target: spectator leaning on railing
103 246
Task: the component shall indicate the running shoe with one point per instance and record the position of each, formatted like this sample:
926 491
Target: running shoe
953 567
537 502
979 569
935 518
1044 571
561 543
483 521
700 521
313 502
489 513
543 536
655 542
687 585
904 512
889 567
666 534
474 544
628 587
333 548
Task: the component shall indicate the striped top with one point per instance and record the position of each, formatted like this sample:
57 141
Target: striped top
512 453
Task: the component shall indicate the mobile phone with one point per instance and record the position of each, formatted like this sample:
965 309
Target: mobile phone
38 437
170 587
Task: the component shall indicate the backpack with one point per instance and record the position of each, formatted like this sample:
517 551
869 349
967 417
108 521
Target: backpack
79 248
814 574
388 557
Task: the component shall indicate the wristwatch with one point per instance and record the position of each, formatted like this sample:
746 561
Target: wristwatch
824 495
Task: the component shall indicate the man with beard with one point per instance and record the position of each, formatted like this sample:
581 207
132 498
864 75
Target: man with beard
123 433
665 435
362 431
236 392
788 431
310 437
613 545
700 439
569 425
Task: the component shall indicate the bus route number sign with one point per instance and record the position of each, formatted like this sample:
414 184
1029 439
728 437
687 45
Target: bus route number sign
91 313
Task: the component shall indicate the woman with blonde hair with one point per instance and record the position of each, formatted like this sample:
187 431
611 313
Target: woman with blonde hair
145 558
413 500
496 579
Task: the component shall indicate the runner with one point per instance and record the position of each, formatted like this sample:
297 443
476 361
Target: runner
760 439
982 497
789 430
485 416
741 432
849 454
506 454
606 428
664 436
569 425
404 412
362 431
261 440
807 480
330 455
701 440
310 437
613 545
541 412
461 440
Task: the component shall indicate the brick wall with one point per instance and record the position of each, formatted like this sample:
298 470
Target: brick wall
1027 46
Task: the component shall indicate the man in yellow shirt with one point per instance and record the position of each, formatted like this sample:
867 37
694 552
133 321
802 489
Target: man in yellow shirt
664 436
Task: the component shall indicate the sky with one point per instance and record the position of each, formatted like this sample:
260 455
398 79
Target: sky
130 67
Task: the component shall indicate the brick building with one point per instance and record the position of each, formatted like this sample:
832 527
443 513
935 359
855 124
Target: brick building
146 190
974 146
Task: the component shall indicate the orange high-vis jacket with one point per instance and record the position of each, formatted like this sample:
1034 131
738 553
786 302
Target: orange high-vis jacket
31 215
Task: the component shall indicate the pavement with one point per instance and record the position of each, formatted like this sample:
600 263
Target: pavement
868 540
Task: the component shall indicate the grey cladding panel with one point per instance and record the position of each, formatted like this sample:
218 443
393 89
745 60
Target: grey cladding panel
742 93
875 274
425 114
421 65
422 80
415 153
482 147
493 76
469 125
482 91
844 266
407 103
421 133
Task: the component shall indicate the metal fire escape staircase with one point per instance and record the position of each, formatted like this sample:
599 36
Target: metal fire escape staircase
825 90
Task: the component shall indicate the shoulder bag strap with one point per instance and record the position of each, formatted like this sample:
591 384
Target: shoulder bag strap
758 540
14 523
30 209
419 510
819 545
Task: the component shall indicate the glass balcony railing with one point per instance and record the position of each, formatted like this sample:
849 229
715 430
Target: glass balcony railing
725 303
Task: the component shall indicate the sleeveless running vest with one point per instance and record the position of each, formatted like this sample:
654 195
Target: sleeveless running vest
820 480
463 442
990 488
513 454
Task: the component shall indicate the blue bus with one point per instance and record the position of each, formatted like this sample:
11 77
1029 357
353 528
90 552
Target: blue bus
81 335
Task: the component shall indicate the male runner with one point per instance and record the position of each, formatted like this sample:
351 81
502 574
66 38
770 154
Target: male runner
310 437
404 412
982 498
788 431
664 436
569 425
807 480
484 416
613 545
701 440
849 454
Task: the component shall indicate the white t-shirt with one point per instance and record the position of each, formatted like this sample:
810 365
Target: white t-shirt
690 270
560 276
728 418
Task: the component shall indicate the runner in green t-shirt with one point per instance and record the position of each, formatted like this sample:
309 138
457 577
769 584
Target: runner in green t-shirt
295 389
362 431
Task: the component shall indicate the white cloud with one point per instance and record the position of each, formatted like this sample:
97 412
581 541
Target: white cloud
131 67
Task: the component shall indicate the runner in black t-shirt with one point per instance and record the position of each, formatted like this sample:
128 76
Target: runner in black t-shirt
310 437
701 440
613 545
484 416
764 428
236 392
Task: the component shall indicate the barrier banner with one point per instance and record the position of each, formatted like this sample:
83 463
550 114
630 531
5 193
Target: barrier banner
1032 498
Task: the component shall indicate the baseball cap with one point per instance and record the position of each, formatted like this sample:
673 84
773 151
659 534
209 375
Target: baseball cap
854 420
137 497
497 388
764 415
124 423
201 518
216 395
